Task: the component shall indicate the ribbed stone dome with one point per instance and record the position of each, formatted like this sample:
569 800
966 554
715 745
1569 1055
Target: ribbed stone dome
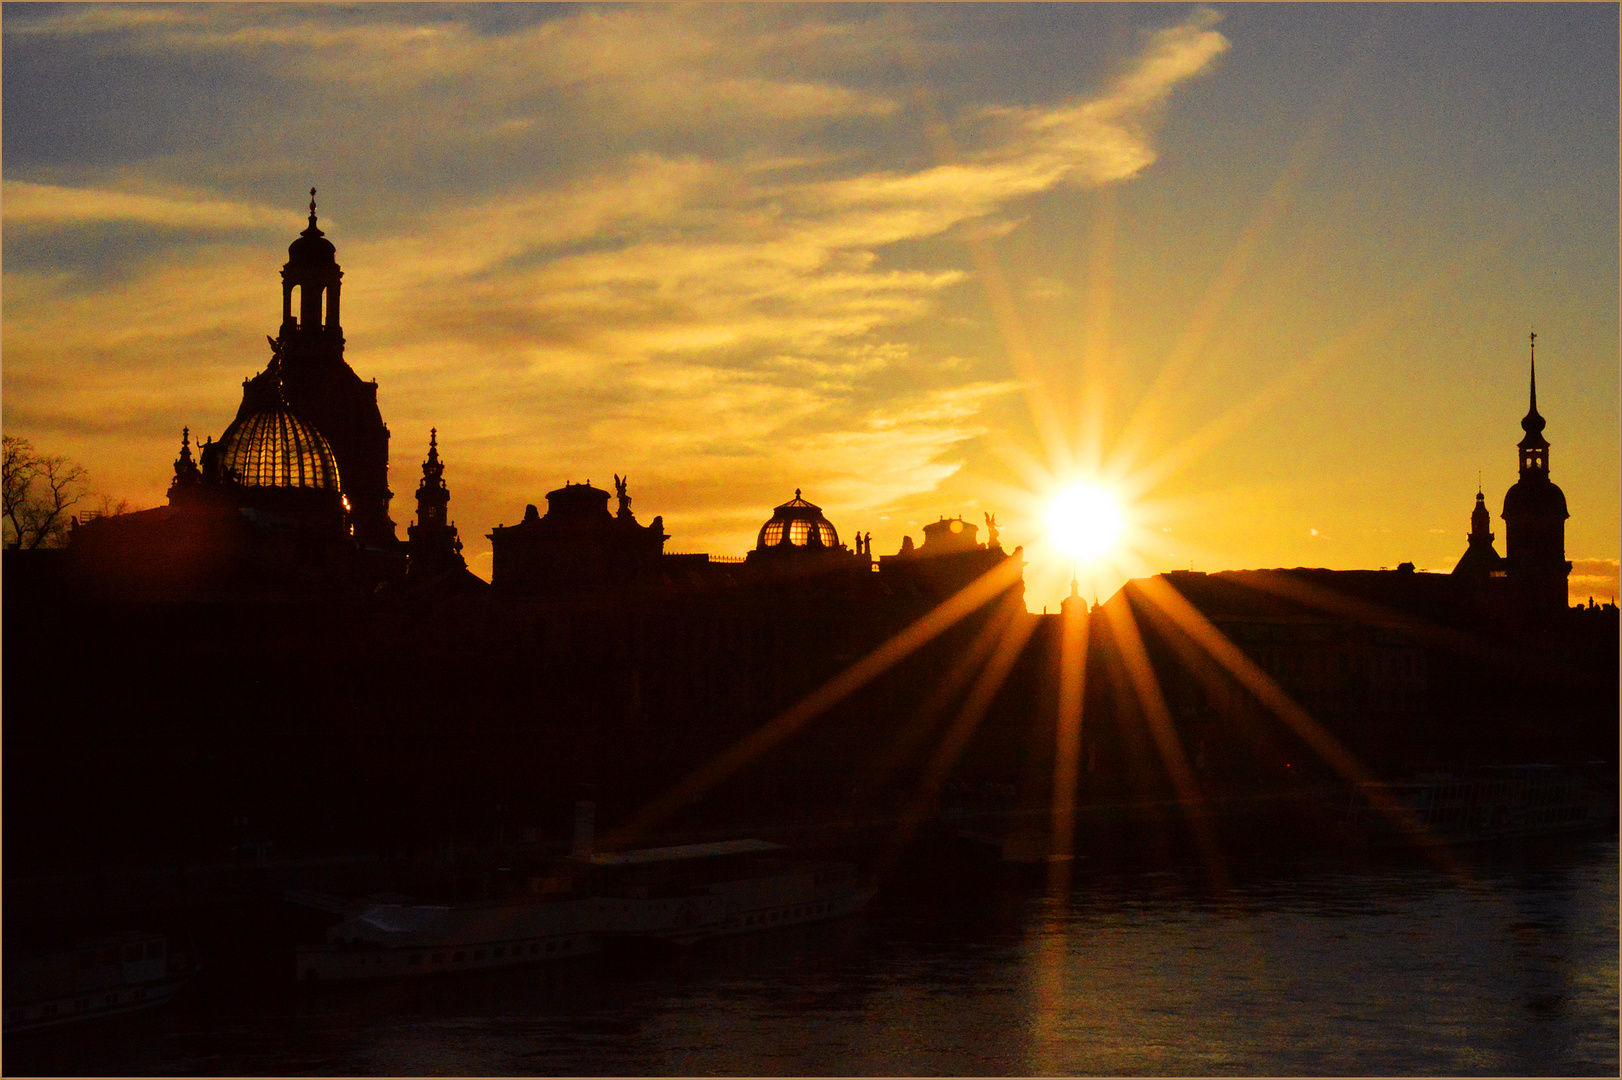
799 524
274 448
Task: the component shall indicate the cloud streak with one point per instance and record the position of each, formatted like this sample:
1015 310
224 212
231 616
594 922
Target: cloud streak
639 245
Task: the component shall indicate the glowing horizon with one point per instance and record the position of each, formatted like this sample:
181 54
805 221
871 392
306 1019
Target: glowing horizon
1269 283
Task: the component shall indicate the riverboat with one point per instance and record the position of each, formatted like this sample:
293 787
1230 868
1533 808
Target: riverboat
91 979
690 892
387 940
677 894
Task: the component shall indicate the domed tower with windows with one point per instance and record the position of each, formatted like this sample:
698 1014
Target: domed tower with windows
317 383
1535 519
797 537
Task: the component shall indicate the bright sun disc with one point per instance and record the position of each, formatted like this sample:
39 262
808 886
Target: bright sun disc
1084 521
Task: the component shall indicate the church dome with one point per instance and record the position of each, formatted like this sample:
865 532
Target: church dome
797 523
1535 496
274 448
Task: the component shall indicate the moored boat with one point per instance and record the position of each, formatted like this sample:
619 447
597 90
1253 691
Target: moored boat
386 940
690 892
93 978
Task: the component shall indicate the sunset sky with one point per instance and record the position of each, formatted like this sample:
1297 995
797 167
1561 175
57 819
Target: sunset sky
1265 272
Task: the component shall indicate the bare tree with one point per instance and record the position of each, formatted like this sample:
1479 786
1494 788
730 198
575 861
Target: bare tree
38 490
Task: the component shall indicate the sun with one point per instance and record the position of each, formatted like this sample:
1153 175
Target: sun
1084 521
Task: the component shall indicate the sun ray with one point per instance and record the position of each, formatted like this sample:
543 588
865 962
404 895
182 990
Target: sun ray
1015 629
939 695
1165 599
1074 629
1092 407
1146 686
901 645
1191 343
1004 312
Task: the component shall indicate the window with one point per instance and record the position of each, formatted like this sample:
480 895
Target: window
498 952
414 959
439 958
535 949
478 954
459 957
132 953
154 950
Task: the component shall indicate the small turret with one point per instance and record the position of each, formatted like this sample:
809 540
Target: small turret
188 481
1480 559
432 543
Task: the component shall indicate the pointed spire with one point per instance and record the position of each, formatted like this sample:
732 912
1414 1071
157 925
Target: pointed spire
1534 355
1532 423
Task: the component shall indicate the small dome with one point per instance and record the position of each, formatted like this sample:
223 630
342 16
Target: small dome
312 248
798 524
274 448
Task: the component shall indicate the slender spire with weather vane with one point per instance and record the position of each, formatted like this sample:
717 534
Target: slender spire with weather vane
1534 447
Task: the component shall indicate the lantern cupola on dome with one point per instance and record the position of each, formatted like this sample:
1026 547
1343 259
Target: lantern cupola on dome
797 524
312 248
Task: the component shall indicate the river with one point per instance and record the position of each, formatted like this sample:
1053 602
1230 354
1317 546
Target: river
1503 965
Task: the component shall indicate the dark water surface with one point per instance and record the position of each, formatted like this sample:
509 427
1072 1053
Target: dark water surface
1302 966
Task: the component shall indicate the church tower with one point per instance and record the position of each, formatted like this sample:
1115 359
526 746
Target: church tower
1480 559
1535 518
320 386
432 542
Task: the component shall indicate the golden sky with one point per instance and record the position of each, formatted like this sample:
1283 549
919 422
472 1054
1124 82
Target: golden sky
1267 271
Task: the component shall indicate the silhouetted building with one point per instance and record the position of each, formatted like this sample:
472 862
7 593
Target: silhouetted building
319 385
949 559
577 547
432 544
1480 560
294 495
1535 520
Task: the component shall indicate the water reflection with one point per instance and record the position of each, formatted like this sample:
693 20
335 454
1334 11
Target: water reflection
1304 967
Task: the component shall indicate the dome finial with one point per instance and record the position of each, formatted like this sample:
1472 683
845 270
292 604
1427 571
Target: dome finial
312 206
796 493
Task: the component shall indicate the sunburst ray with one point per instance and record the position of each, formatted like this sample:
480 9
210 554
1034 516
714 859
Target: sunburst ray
897 648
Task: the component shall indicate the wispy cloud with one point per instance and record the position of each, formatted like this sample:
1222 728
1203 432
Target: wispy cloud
646 239
50 205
